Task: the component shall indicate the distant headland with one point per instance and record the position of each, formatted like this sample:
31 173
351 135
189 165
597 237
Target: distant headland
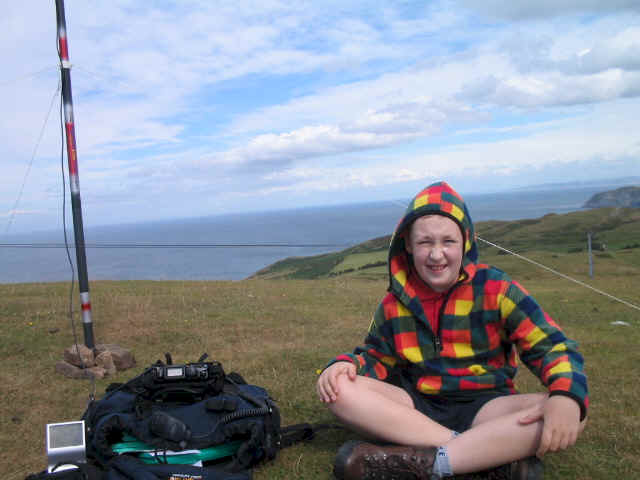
620 197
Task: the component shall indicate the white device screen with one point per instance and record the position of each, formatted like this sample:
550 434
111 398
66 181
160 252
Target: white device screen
66 435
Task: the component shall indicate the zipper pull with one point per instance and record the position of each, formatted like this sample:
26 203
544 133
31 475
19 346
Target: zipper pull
438 345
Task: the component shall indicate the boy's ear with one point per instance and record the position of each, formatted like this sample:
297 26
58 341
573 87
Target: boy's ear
407 243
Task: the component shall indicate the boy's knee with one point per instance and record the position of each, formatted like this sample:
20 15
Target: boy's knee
347 394
347 387
536 400
529 402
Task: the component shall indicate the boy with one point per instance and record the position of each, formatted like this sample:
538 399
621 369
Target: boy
435 377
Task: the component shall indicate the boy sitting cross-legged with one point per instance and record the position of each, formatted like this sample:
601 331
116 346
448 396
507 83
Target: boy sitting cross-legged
433 383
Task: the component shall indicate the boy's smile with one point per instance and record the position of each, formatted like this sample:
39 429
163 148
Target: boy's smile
436 243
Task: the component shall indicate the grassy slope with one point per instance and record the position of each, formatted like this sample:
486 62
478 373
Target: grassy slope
616 228
278 332
324 265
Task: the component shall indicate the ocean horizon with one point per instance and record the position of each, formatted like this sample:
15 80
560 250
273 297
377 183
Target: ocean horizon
235 246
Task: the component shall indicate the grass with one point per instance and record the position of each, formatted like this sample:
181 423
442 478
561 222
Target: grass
277 333
361 261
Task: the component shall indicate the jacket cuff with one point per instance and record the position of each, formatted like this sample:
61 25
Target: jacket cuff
345 357
576 398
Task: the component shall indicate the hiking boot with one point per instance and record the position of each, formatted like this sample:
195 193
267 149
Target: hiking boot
366 461
530 468
503 472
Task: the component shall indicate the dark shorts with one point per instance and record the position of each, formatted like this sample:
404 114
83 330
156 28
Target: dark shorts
454 412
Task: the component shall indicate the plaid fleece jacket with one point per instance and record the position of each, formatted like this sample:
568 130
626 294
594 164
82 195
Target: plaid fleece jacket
487 320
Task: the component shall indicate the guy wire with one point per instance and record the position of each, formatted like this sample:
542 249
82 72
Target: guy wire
561 274
33 156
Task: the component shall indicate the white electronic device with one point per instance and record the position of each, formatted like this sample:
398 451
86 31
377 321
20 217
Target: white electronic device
65 445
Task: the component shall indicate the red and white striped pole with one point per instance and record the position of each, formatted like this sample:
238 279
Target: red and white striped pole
81 259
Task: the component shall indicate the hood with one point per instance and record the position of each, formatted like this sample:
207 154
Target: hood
439 199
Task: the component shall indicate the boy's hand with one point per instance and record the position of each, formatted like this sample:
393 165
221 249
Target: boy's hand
327 385
561 424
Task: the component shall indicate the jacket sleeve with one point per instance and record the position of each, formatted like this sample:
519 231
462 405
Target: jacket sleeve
377 357
543 346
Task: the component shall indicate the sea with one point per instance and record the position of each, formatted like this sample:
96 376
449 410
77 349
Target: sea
233 247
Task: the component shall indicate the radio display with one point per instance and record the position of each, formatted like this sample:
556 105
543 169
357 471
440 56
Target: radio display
66 435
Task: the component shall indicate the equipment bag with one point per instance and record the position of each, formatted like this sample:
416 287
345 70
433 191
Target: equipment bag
178 422
162 422
171 409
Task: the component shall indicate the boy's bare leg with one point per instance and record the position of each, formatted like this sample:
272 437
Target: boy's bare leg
494 442
385 412
501 406
502 432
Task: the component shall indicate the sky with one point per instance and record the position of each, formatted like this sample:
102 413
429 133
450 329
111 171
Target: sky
193 108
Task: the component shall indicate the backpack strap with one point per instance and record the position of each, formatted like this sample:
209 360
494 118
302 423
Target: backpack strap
83 471
302 432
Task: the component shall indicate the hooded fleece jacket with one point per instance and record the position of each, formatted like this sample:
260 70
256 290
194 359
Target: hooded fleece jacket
486 321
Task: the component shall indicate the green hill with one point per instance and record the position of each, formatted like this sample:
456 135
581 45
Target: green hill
614 230
621 197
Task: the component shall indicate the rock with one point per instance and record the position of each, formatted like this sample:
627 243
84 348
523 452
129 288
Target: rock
105 360
79 355
80 361
122 358
71 371
96 372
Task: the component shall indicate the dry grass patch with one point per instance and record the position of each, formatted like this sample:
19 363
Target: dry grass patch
277 333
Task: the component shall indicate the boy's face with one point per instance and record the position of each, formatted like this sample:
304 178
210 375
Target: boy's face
436 244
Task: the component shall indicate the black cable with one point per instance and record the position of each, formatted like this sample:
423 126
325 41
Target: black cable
178 245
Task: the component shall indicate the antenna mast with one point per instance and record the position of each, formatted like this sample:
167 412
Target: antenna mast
81 259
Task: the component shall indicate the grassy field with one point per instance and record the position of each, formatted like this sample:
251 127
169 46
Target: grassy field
277 333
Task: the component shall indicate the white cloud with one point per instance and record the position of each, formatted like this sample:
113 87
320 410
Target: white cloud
397 123
308 142
194 102
554 89
521 10
601 136
622 51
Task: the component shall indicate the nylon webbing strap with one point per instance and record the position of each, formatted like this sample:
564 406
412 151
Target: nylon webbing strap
302 432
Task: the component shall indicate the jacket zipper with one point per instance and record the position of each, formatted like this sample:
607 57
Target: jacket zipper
437 340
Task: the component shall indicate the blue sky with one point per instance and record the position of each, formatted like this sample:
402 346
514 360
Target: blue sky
193 108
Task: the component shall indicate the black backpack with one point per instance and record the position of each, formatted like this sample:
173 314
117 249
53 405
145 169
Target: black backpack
148 427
